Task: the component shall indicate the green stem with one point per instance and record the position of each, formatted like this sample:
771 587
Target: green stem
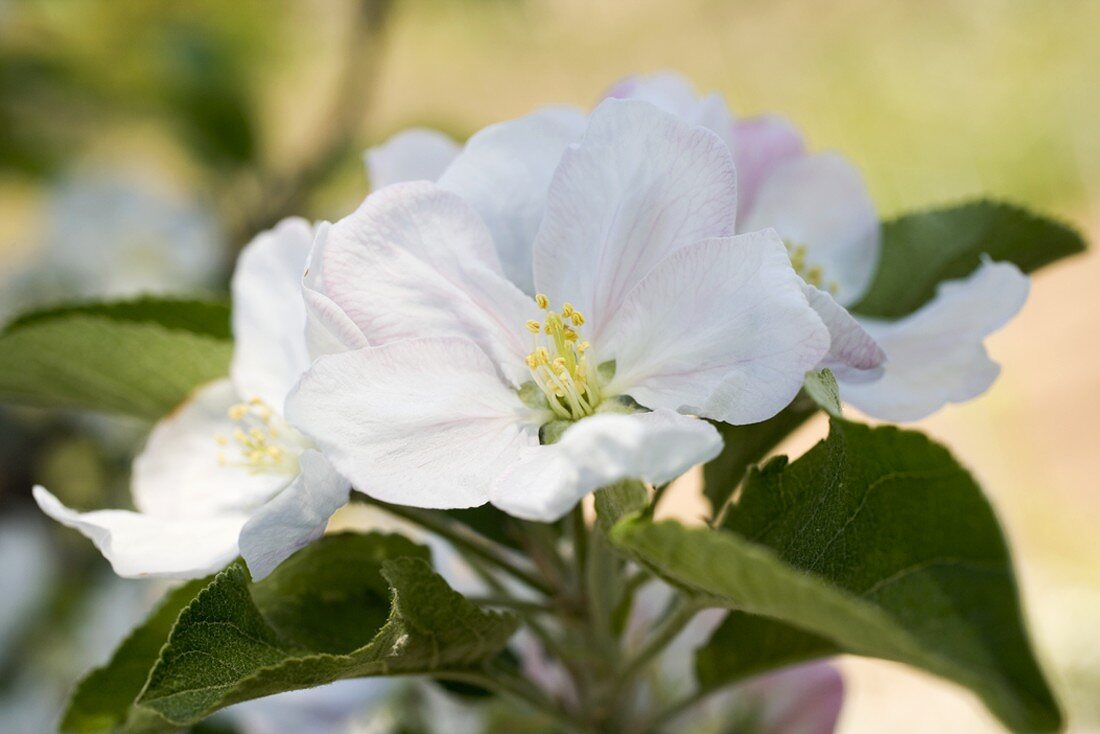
507 602
508 685
464 539
680 612
675 710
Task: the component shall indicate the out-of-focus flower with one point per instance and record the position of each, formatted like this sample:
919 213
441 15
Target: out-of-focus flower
27 570
644 295
820 206
226 463
342 707
112 234
416 154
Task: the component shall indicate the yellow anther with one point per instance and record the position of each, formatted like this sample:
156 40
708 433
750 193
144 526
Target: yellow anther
567 309
559 365
542 301
569 334
583 347
577 318
221 440
238 412
534 326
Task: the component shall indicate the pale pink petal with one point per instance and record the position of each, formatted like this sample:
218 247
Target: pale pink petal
759 145
422 422
416 154
504 172
547 481
183 471
417 261
294 517
642 185
674 94
269 317
720 329
328 328
935 356
820 202
853 354
139 545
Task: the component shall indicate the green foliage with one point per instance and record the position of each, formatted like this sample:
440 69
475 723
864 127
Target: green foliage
346 606
746 445
922 250
140 357
824 390
878 541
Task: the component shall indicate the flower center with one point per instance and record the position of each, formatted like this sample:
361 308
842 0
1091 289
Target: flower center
812 274
559 363
264 440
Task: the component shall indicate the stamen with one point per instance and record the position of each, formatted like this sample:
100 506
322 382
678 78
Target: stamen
255 435
558 362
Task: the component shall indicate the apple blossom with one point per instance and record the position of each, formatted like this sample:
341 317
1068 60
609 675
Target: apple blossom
472 391
226 473
819 205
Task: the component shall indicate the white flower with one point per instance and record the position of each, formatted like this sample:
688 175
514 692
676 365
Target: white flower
225 473
644 294
819 205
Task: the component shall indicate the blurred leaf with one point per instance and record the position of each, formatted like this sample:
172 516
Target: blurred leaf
619 500
746 445
102 699
823 389
142 358
922 250
878 540
346 606
745 645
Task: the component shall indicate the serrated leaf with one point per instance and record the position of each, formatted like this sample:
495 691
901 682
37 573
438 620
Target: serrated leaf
346 606
140 358
824 390
743 446
879 541
922 250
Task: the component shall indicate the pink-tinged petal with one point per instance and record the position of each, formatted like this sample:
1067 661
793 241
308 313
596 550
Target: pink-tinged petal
504 172
820 202
328 329
720 329
639 187
674 94
294 517
140 545
269 316
183 472
547 481
422 422
806 699
416 261
759 145
935 356
416 154
853 354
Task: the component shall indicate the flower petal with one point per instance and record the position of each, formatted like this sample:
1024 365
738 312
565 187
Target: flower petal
760 144
721 329
416 154
640 186
674 94
547 481
294 517
417 261
504 172
422 422
328 329
139 545
180 473
269 317
852 352
935 356
820 202
804 699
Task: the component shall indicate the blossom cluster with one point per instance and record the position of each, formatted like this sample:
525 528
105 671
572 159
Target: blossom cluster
568 300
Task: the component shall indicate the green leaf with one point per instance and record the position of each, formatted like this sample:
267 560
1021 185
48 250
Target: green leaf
619 500
922 250
824 390
102 699
879 541
346 606
746 445
141 357
745 645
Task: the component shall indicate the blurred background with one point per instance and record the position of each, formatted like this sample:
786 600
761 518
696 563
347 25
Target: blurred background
142 143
